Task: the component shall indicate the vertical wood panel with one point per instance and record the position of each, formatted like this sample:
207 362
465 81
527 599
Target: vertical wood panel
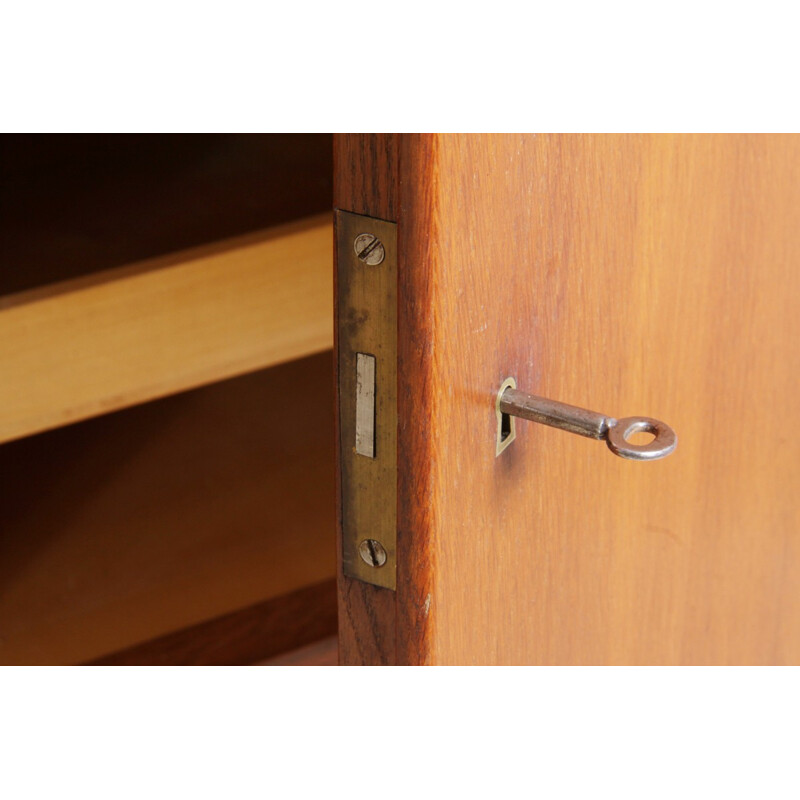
630 274
416 397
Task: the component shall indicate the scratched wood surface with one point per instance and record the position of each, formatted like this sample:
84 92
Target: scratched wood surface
652 275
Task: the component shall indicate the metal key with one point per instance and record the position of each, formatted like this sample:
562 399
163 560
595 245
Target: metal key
592 424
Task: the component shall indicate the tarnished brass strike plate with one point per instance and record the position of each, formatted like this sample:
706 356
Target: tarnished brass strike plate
366 251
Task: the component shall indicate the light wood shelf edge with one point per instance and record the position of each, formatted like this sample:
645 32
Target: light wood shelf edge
125 336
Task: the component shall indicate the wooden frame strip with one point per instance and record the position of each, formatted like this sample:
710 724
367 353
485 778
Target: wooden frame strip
255 634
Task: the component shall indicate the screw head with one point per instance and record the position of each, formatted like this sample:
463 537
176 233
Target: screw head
372 552
369 249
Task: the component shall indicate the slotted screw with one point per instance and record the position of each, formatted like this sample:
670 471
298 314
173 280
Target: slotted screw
369 249
372 552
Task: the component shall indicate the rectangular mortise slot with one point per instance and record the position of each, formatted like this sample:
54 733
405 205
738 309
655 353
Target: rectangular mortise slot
365 405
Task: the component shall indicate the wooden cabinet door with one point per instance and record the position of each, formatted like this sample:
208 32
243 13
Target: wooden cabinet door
631 274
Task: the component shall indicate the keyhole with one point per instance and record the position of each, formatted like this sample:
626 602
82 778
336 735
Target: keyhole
506 428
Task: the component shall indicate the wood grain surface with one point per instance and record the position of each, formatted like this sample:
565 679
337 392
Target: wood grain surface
653 275
416 398
137 524
365 173
106 341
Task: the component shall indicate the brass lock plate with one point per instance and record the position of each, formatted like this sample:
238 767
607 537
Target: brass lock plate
366 252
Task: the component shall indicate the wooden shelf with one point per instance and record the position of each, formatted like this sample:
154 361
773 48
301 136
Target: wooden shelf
120 337
134 525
